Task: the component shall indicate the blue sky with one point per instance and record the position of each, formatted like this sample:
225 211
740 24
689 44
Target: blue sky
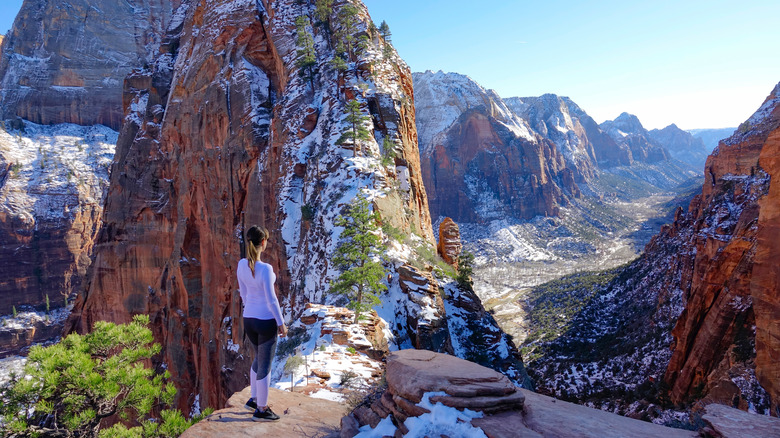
700 64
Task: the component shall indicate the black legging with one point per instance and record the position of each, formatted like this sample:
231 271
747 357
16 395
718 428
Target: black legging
262 335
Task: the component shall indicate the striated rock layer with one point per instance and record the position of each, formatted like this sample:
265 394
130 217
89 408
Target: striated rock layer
65 61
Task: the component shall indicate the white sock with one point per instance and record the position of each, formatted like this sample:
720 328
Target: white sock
262 391
253 384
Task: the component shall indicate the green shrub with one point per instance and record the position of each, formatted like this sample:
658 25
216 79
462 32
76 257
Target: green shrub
73 387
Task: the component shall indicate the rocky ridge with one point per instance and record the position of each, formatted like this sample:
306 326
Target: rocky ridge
221 132
732 303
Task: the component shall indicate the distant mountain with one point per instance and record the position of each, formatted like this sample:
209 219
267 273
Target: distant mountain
681 145
550 116
711 137
480 160
628 130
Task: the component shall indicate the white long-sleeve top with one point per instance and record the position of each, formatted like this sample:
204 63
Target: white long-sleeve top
257 292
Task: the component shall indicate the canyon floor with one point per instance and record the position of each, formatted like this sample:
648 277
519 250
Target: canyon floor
512 257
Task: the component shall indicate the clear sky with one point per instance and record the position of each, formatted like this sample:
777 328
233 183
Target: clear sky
699 64
696 63
8 11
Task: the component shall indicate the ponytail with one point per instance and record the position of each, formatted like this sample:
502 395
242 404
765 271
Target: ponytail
254 239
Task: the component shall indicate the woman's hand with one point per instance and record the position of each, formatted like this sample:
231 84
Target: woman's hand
282 330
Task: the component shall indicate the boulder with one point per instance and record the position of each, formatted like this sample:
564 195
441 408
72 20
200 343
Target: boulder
726 422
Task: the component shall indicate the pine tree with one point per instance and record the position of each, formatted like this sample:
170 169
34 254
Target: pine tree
465 270
357 132
347 19
69 388
322 10
307 59
387 47
388 152
384 30
361 279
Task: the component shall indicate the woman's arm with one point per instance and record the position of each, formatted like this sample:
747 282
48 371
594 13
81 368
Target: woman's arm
241 285
273 301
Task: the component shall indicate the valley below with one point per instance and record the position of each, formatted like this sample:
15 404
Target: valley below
513 257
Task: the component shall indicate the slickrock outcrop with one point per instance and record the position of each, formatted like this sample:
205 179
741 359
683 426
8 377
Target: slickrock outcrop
301 416
52 183
480 161
504 410
449 246
733 303
65 61
725 422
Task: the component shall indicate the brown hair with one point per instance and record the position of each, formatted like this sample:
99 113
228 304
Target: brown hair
254 239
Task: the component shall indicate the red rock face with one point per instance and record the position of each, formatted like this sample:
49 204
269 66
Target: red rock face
495 173
765 281
449 246
182 191
221 142
733 273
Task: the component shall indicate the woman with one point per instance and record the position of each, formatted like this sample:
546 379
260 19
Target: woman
262 318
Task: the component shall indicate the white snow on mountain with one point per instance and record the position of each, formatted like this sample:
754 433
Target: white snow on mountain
440 98
52 170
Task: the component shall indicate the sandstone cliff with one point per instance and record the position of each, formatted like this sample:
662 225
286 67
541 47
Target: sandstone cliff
481 161
65 61
732 304
52 185
223 132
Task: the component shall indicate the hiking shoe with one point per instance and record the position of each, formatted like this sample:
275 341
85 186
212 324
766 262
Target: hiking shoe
266 415
251 405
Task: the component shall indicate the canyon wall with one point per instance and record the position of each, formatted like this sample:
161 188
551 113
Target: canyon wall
65 62
62 63
728 328
52 183
481 161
